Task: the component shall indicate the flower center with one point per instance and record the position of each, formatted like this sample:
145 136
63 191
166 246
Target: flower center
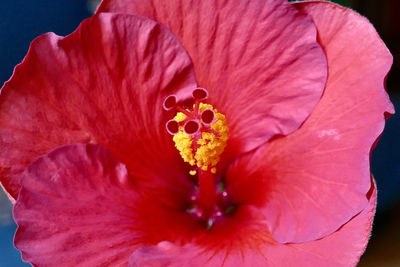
200 134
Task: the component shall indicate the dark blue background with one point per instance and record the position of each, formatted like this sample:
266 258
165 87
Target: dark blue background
21 22
24 20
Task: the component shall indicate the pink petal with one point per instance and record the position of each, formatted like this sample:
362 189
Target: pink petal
342 248
164 254
79 206
103 84
313 181
345 246
76 207
258 58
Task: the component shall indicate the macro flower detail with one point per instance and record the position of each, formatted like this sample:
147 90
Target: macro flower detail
196 133
200 135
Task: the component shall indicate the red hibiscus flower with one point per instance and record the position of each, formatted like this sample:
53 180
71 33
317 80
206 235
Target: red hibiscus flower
273 109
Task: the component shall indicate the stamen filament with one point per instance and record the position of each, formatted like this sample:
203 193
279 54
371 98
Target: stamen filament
184 111
196 106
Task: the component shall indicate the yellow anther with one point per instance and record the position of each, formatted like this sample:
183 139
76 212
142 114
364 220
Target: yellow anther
206 153
192 172
180 117
183 142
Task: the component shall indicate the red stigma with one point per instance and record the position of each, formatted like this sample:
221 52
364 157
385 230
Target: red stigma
172 127
200 94
207 116
191 127
169 102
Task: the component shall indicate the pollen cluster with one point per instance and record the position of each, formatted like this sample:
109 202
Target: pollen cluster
183 142
203 149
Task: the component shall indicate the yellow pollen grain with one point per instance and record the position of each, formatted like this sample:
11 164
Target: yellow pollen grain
183 142
180 117
211 145
192 172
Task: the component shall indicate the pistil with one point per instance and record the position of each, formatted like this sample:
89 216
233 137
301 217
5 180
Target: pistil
207 201
200 134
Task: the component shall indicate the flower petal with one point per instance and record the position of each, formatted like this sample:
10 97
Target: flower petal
76 207
316 179
342 248
103 84
258 58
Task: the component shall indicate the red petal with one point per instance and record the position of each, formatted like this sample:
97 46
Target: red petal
164 254
342 248
258 58
103 84
316 179
76 207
